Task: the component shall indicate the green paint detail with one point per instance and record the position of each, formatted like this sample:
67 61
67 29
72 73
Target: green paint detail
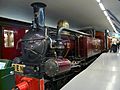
7 79
7 62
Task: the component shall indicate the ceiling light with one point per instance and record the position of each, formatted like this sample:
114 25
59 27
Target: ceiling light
102 6
109 19
112 24
105 12
108 31
98 1
114 28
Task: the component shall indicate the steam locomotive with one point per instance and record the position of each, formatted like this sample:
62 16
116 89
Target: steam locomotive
50 53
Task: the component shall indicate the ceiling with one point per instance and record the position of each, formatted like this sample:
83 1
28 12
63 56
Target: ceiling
79 13
114 7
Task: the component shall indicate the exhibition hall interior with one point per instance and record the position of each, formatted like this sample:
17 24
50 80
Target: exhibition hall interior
59 44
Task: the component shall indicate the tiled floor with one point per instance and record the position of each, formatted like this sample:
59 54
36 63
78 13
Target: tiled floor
102 74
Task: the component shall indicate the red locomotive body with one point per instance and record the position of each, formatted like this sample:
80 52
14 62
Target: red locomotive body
89 46
96 46
101 35
69 43
28 83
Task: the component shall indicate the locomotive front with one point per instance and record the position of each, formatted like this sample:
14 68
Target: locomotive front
37 52
34 43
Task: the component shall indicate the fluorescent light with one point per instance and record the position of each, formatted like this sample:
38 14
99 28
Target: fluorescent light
112 24
114 28
109 19
102 6
98 1
105 12
108 31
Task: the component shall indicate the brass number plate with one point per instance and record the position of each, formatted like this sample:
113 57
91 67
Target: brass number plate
18 67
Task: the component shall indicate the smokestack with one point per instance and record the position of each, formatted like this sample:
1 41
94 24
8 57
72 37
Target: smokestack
39 14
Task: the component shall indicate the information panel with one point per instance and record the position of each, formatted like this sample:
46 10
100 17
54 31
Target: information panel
2 65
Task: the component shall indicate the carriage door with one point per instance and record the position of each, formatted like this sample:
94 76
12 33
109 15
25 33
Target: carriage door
11 36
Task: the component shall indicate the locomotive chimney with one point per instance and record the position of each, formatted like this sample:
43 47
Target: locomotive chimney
39 14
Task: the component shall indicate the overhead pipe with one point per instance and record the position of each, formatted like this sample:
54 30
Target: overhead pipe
69 30
91 29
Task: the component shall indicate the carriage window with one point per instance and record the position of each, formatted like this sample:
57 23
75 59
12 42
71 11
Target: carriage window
8 38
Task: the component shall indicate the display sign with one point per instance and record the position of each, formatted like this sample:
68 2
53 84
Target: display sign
2 65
